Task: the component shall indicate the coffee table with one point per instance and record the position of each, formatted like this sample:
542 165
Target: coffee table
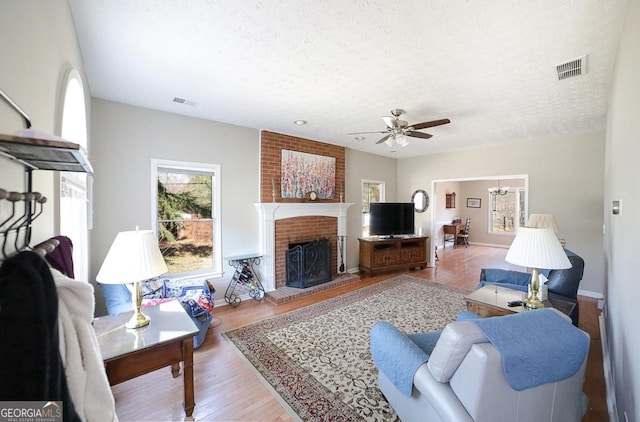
166 341
491 300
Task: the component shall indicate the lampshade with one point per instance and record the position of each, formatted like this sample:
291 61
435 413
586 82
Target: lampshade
542 220
134 256
537 247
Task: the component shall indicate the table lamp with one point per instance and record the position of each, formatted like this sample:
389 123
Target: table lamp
537 247
133 257
545 220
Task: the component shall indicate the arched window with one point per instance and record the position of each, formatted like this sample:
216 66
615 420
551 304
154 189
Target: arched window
74 210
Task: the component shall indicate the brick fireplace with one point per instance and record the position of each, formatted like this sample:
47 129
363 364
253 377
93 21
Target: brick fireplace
283 223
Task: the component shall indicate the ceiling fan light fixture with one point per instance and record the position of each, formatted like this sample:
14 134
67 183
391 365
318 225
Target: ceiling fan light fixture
399 130
402 140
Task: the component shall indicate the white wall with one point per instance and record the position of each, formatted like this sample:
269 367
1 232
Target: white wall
565 179
37 47
126 138
361 165
622 231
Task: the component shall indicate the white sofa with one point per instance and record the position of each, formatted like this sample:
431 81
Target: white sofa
464 380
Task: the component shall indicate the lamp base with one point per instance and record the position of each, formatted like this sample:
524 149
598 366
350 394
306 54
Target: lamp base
138 320
533 303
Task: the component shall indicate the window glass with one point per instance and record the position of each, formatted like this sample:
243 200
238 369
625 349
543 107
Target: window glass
186 204
372 191
74 203
506 211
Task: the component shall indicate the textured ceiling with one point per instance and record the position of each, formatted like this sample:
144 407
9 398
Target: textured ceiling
488 65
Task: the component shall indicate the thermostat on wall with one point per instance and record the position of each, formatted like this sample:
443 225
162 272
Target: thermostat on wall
616 207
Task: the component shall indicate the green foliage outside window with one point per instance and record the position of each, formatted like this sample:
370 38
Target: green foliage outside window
185 220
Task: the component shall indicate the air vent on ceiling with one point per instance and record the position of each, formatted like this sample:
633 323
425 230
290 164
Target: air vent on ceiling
575 67
183 101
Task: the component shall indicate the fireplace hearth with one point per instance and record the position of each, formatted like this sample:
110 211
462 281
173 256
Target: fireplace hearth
309 263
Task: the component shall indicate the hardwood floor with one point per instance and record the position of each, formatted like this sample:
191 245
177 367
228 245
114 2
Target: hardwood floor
227 389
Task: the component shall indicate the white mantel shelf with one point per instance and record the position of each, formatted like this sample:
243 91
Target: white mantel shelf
269 212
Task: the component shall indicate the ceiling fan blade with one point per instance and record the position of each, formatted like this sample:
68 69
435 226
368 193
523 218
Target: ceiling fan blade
383 139
362 133
432 123
419 135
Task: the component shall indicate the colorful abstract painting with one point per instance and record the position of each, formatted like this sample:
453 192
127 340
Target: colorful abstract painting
302 173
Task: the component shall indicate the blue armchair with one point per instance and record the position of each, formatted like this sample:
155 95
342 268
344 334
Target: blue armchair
562 284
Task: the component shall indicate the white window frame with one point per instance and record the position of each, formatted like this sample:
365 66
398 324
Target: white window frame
214 169
74 214
365 215
518 192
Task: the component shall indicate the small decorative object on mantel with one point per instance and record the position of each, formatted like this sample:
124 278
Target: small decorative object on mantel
313 195
450 200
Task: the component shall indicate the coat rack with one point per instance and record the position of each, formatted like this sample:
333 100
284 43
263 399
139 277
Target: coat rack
34 150
18 224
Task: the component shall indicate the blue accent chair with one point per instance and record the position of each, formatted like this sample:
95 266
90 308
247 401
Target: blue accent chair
562 284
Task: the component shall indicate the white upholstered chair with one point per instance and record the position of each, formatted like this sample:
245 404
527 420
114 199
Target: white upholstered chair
464 379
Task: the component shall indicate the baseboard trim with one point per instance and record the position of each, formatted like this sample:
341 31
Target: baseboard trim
491 245
612 404
589 293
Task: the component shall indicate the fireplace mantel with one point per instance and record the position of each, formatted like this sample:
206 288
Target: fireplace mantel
270 212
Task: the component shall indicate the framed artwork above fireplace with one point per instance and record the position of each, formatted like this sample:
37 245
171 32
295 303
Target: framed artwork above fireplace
302 173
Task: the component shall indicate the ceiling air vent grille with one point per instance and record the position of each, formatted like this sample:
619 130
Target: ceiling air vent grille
183 101
575 67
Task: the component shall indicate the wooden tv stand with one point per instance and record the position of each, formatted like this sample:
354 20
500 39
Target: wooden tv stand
395 254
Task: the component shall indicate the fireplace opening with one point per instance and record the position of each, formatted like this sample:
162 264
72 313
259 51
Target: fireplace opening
309 263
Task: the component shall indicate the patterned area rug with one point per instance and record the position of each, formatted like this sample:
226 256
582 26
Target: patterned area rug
317 358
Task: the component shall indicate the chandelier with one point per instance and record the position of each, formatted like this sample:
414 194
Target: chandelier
499 190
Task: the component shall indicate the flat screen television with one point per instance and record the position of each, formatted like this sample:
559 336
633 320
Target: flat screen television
389 219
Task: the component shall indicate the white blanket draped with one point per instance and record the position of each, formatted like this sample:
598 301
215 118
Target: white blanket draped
84 368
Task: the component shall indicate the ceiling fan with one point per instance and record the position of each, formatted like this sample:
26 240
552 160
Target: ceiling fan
398 130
